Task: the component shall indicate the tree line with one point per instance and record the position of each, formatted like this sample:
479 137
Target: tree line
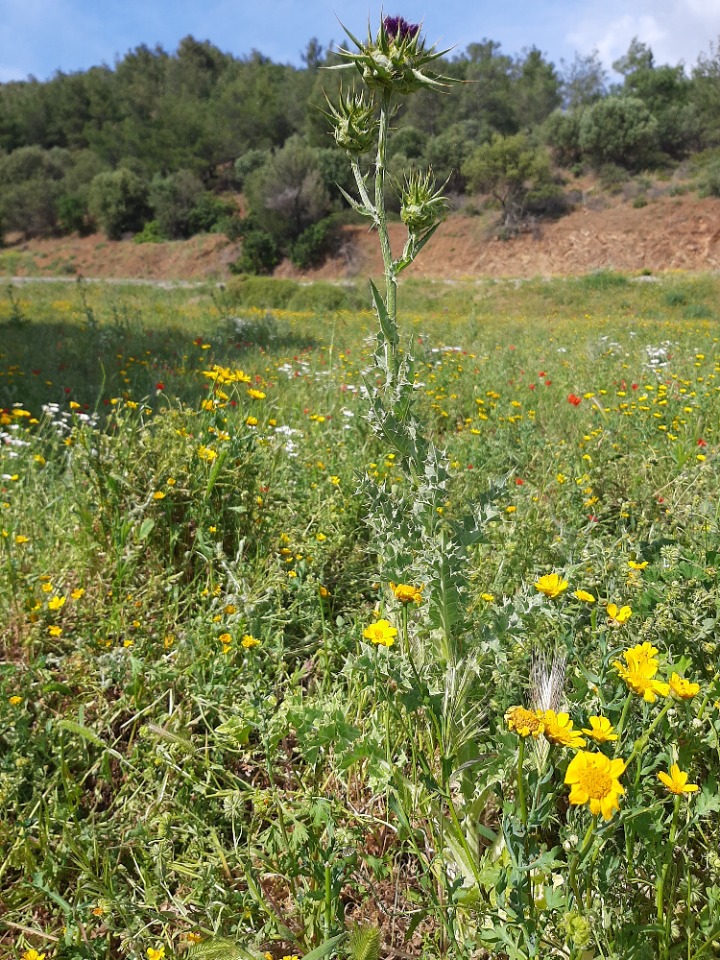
158 144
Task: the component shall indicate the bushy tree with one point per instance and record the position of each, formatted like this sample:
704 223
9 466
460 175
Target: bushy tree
447 153
704 95
246 163
584 81
30 184
486 97
407 140
665 91
119 202
288 194
514 171
535 91
562 135
619 130
173 200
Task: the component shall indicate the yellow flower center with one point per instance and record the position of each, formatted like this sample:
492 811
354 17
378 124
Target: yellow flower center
597 783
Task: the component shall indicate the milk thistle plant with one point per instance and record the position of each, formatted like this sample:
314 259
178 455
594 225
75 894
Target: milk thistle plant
414 541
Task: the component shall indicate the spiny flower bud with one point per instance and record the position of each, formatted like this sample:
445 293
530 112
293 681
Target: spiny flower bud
422 206
395 60
354 123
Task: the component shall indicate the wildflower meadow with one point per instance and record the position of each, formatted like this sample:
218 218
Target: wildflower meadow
358 623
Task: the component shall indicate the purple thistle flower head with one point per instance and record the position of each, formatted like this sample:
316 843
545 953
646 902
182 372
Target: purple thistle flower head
398 28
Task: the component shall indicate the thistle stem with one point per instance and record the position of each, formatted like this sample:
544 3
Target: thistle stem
381 215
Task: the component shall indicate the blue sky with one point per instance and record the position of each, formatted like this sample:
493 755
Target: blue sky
40 36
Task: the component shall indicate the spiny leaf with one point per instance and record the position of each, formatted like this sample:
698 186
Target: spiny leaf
218 948
387 324
364 943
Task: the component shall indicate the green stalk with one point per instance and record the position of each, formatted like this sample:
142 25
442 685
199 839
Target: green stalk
362 189
642 741
664 932
521 782
579 857
706 698
328 900
381 218
621 724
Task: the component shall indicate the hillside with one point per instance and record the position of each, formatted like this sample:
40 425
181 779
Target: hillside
670 233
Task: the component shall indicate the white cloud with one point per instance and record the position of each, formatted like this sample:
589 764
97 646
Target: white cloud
676 30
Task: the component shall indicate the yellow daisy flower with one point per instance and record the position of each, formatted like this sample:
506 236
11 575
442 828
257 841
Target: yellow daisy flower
406 593
682 688
552 585
618 615
381 633
559 730
601 730
676 781
593 779
524 722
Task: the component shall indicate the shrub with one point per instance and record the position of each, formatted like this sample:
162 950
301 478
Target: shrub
619 130
209 212
119 202
230 226
260 253
562 135
314 244
71 211
709 182
603 280
183 207
324 297
249 291
612 177
150 233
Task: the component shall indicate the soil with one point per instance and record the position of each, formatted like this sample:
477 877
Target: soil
669 233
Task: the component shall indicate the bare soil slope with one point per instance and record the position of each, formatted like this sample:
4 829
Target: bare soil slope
670 233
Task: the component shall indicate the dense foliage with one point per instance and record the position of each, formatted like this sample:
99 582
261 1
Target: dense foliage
172 139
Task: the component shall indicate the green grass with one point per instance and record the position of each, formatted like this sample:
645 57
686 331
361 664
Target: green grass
164 777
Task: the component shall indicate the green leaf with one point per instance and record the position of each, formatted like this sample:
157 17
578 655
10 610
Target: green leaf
364 943
82 731
325 948
218 948
146 528
387 324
